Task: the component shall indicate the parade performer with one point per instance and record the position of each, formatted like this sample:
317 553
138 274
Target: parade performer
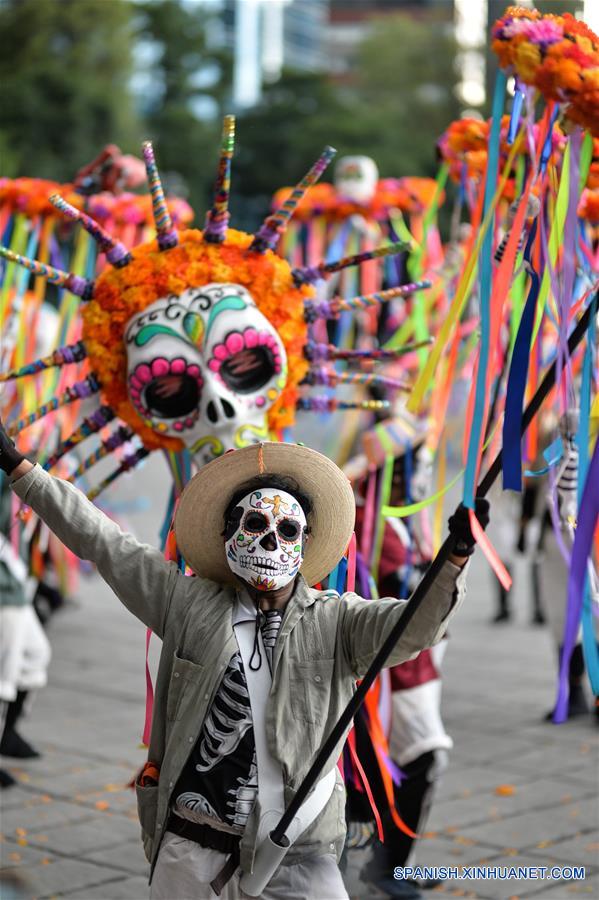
24 648
247 524
418 742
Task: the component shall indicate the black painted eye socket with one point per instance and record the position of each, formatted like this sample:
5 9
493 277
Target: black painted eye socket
248 370
289 529
255 522
171 396
233 522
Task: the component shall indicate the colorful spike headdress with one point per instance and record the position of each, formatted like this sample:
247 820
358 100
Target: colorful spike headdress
197 339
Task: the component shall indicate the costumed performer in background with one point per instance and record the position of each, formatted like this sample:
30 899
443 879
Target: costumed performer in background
24 647
418 742
554 570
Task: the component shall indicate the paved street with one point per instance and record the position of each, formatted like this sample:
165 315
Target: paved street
517 793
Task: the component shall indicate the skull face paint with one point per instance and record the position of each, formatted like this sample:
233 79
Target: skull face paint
266 549
356 178
205 366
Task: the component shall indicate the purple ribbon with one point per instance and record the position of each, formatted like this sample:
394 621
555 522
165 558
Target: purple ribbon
581 551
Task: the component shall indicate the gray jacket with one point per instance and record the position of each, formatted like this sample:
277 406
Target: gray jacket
325 644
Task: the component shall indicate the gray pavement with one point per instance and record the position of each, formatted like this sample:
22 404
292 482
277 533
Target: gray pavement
518 792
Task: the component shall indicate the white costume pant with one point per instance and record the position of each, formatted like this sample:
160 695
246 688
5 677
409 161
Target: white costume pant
24 651
184 871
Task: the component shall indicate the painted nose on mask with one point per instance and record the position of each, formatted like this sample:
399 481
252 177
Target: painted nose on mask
269 541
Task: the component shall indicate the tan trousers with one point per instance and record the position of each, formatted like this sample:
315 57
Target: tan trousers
184 871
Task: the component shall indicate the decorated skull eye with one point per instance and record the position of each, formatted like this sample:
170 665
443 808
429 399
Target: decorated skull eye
247 360
167 389
173 395
289 530
255 523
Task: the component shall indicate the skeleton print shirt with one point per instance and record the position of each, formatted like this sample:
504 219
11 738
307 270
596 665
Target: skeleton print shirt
220 779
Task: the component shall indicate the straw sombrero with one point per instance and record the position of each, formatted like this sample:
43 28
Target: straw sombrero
199 519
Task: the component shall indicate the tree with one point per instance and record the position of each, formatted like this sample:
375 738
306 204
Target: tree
64 69
280 137
394 106
187 77
404 88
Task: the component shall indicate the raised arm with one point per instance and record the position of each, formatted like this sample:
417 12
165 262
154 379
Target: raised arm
137 573
365 624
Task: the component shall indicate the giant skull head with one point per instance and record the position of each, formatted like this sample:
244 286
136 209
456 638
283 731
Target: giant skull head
205 366
200 346
356 178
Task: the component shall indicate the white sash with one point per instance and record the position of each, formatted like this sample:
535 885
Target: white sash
270 776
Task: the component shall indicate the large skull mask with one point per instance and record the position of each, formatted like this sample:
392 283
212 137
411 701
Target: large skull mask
205 366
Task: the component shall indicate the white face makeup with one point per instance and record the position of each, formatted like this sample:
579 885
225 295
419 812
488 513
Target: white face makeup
266 549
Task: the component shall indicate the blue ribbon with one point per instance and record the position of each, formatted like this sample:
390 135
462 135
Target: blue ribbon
546 152
552 454
485 268
341 572
511 456
515 116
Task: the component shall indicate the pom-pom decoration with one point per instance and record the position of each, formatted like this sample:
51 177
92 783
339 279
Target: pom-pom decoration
464 147
557 54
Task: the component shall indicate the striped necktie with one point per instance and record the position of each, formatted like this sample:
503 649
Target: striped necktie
270 625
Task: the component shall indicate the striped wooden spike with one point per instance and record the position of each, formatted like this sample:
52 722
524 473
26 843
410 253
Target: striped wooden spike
217 219
77 391
128 462
270 232
330 309
166 233
118 437
321 271
77 285
116 252
330 404
63 356
90 425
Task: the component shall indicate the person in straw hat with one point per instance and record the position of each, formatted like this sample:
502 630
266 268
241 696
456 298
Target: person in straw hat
256 663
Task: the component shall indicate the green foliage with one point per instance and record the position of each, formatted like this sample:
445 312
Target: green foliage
185 72
280 137
404 86
64 70
66 73
396 103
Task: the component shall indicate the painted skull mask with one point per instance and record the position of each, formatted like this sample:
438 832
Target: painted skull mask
205 366
356 178
266 548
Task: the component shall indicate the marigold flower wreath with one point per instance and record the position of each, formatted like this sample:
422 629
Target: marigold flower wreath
559 55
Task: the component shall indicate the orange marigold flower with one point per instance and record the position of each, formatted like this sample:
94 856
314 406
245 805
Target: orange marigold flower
527 58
